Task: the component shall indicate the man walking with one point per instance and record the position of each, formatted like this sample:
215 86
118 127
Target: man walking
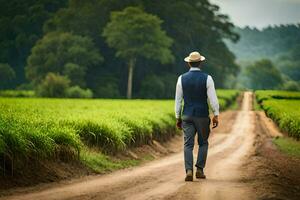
195 87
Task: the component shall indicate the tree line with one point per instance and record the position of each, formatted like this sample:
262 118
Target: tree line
110 46
269 58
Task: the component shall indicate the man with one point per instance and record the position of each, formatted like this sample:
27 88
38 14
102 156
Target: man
195 87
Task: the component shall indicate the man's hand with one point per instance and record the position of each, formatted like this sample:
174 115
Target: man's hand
179 123
215 121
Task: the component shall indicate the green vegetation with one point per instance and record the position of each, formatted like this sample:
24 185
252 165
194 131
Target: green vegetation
286 114
17 93
271 42
65 54
288 145
36 129
277 44
100 162
53 85
21 23
262 95
72 38
227 98
41 128
263 75
283 108
136 34
7 75
77 92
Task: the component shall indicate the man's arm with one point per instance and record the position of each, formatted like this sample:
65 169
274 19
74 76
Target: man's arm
213 100
178 102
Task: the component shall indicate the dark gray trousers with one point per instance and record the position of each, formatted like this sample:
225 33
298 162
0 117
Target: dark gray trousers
190 126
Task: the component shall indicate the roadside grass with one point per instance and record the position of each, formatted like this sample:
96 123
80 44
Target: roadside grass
288 146
235 104
256 105
262 95
101 163
285 113
283 108
227 98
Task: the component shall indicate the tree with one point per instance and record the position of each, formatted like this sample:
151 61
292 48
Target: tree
152 87
268 43
134 34
161 87
193 24
198 25
21 23
7 74
289 63
77 92
63 53
291 86
54 85
264 75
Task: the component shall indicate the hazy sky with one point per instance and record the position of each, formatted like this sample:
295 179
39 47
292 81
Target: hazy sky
260 13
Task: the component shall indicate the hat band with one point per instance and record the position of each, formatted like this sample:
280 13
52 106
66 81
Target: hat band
198 59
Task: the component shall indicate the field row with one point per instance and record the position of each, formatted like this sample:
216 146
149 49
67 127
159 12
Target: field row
262 95
284 108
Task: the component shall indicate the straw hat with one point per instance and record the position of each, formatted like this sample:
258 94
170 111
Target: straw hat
194 57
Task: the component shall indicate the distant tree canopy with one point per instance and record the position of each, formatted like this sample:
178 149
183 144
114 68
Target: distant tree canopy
21 23
289 63
264 75
63 53
280 44
191 24
7 75
268 43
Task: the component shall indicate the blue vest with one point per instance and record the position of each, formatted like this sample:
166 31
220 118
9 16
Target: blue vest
195 94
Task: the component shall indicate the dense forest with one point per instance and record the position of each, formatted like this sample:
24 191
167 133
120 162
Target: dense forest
76 43
269 57
270 42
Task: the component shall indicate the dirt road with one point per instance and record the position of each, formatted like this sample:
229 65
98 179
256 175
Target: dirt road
164 178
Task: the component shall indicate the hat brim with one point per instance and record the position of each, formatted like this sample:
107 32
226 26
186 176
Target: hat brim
188 59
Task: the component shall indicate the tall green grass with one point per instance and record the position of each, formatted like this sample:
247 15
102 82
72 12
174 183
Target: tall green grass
227 97
283 107
37 128
286 113
262 95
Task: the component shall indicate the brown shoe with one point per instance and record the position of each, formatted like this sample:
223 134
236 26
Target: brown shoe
189 175
200 173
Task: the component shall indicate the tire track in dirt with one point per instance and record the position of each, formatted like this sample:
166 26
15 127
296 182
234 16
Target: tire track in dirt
164 178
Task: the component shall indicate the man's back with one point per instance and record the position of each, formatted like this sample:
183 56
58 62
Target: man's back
195 93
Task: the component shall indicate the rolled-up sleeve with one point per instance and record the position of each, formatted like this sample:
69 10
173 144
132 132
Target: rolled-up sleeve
212 95
178 98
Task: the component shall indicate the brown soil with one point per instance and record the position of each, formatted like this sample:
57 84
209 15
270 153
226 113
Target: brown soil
272 174
242 164
42 172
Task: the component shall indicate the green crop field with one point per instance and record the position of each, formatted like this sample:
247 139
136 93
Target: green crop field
40 128
262 95
284 108
227 97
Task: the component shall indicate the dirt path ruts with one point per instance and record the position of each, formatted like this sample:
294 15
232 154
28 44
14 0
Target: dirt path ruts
163 178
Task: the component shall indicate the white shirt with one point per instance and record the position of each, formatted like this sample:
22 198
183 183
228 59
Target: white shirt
211 94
